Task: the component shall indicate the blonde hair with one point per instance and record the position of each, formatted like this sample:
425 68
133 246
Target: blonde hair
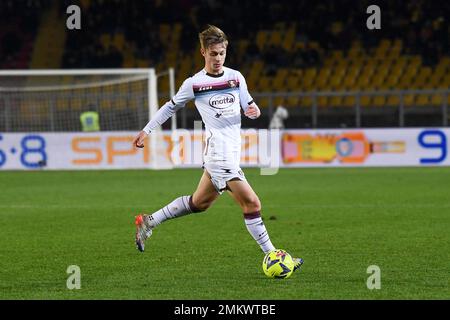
212 35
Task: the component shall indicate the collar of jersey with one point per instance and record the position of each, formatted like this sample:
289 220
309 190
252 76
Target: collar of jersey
215 75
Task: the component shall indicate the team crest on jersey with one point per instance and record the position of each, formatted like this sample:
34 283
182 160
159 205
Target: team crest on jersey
232 83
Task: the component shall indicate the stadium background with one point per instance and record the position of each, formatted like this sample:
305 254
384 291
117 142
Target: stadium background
319 61
277 46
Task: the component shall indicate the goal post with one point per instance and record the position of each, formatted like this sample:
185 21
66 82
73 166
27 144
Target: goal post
53 100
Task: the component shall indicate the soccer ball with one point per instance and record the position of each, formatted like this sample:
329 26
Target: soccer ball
278 264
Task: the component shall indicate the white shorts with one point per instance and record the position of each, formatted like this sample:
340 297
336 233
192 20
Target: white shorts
221 172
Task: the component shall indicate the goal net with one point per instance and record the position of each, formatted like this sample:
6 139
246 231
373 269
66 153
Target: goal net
48 101
55 100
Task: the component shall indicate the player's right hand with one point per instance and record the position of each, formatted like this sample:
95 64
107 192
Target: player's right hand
138 141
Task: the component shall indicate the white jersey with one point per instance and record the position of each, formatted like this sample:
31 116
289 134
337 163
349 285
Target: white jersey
218 99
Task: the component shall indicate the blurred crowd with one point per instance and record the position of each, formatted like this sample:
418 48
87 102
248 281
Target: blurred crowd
423 26
19 21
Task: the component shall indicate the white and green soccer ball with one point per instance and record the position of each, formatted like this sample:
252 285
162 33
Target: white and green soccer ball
278 264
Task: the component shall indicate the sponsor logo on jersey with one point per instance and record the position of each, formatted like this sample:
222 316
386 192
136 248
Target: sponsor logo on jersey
200 89
221 100
204 88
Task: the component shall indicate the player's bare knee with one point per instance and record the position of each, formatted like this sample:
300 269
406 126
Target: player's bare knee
203 206
252 205
200 205
196 206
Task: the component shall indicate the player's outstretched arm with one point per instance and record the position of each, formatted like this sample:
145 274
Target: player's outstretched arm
253 111
161 116
138 141
184 94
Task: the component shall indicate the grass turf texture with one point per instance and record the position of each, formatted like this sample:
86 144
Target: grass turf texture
340 221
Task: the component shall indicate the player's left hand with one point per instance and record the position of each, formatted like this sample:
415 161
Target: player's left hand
253 111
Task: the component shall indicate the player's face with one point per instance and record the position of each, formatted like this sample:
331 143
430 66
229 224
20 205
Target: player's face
214 57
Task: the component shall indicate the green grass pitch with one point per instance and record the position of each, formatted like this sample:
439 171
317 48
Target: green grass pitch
341 221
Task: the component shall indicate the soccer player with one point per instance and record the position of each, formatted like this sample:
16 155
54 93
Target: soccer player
219 93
